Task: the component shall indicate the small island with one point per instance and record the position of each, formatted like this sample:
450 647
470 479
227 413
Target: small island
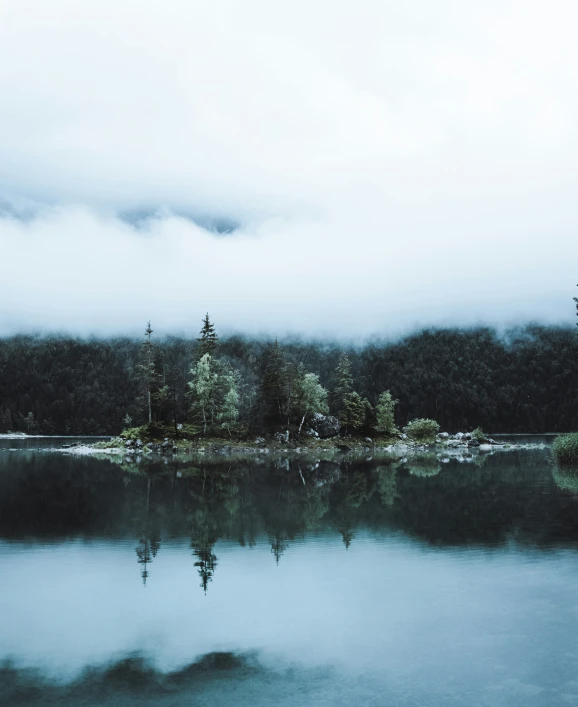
282 408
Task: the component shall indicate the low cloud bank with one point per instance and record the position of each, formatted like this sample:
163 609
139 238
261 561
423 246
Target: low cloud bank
361 172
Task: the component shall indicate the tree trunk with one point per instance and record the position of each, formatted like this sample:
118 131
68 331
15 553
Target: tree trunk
301 425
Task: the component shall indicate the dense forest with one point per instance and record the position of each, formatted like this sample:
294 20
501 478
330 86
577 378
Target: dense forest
523 380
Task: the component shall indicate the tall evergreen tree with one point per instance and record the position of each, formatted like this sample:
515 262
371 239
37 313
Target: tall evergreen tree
343 385
147 369
385 413
354 412
273 385
208 339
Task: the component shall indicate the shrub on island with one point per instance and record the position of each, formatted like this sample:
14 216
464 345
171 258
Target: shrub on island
422 430
479 435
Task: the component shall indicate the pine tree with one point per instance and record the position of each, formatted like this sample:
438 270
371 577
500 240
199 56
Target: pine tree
208 339
147 369
273 384
160 392
385 413
354 412
343 386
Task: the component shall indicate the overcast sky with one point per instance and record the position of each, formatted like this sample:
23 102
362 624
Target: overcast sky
313 166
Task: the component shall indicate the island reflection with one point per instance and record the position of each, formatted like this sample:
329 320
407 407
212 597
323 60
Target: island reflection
482 499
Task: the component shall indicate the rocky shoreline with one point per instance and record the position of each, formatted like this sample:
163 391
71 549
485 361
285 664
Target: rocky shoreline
444 443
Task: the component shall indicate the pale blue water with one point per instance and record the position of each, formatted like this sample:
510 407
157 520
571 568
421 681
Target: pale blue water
368 585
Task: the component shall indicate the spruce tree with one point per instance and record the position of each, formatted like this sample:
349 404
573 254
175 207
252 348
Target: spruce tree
385 413
354 412
147 369
208 339
343 385
273 385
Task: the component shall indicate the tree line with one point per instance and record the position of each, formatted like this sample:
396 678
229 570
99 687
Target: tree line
523 380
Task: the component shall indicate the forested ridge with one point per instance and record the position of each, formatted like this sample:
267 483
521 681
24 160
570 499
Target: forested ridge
524 380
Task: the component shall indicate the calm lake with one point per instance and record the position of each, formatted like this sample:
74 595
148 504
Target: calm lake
347 581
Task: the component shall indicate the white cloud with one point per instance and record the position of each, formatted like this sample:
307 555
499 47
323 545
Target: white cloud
392 164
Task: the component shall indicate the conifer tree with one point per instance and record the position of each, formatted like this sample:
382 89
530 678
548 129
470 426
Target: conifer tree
273 384
147 369
354 412
208 339
385 413
160 392
343 386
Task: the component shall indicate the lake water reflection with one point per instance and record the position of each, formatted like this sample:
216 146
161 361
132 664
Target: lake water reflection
290 581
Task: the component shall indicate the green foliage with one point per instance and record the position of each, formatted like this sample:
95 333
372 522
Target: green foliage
515 382
229 409
203 389
385 413
273 392
157 431
343 385
311 397
479 435
422 429
146 433
208 339
565 449
355 412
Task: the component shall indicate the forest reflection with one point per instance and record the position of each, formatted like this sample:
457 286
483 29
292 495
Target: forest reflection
288 499
484 499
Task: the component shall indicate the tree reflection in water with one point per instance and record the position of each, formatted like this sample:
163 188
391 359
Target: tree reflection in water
483 500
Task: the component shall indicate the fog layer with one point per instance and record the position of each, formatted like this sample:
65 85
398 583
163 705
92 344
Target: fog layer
316 167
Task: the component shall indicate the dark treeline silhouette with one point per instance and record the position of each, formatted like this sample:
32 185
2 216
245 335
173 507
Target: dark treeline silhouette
525 380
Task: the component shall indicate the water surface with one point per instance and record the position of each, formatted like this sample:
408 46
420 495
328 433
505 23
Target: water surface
294 582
